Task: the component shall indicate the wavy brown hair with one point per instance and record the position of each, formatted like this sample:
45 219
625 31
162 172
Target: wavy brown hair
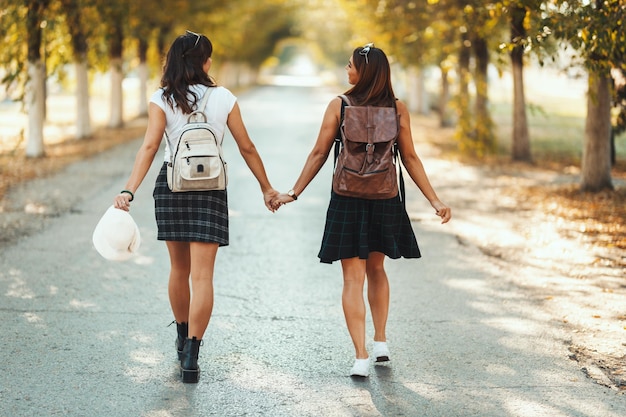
183 68
374 85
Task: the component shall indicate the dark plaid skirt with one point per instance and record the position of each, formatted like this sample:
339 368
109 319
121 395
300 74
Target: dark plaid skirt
195 216
355 227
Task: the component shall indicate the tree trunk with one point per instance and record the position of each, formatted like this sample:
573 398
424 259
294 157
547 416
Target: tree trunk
72 10
116 41
35 89
36 108
83 114
445 118
412 99
464 134
143 77
417 89
596 162
116 97
465 53
485 138
520 147
163 37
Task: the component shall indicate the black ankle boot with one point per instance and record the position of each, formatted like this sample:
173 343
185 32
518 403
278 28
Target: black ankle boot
189 369
183 330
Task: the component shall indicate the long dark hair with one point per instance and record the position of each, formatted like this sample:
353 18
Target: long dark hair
183 68
374 85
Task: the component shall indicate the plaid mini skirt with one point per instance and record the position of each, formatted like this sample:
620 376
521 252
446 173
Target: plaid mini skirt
194 216
355 227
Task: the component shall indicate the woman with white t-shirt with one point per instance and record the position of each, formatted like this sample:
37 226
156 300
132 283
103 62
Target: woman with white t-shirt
192 224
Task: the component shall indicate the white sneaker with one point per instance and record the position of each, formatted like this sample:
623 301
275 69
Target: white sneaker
380 351
361 367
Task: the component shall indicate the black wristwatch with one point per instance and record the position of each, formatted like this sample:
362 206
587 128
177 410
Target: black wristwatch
291 193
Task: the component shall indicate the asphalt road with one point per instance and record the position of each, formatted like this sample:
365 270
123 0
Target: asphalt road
82 336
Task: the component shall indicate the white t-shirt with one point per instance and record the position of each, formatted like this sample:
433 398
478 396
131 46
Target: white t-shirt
221 102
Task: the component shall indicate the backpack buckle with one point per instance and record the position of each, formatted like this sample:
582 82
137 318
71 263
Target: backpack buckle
369 152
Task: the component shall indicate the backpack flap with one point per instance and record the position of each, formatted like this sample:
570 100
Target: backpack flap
367 124
198 157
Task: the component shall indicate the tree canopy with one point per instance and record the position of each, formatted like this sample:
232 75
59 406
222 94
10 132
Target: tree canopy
461 35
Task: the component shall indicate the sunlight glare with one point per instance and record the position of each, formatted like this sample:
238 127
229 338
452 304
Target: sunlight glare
33 318
81 304
429 391
19 289
259 376
523 408
514 325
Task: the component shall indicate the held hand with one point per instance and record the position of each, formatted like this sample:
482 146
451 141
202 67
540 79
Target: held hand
268 197
443 211
281 199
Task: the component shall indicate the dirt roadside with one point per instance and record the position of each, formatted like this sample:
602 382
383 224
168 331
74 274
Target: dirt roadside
21 214
567 247
570 246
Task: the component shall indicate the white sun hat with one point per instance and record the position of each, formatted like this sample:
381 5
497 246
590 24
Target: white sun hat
116 236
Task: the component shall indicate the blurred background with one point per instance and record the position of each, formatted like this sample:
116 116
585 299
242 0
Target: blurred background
505 77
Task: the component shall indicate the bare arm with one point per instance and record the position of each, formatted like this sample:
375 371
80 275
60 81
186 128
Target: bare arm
414 165
250 155
145 155
320 151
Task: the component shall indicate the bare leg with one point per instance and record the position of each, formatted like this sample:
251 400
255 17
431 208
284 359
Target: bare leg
178 286
378 294
201 306
353 303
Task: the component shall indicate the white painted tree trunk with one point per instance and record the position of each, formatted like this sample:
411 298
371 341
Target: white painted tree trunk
117 97
35 105
417 98
83 114
143 88
234 74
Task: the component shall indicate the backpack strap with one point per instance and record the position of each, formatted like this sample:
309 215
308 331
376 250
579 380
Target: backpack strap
203 102
395 155
344 101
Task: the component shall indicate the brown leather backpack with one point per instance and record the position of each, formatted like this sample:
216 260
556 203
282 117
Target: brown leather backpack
366 153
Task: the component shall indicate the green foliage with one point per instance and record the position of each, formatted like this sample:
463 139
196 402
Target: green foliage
593 29
13 47
413 32
337 27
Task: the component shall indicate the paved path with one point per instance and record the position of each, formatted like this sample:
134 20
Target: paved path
82 336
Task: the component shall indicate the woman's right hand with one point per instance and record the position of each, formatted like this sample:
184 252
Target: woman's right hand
122 201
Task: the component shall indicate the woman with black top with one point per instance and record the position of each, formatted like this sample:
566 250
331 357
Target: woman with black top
192 224
362 232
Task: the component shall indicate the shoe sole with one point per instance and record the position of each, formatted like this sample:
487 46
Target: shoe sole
382 359
190 376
